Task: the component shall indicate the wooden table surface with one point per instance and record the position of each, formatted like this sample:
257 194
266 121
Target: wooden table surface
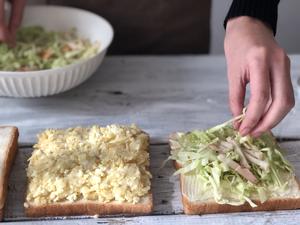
161 95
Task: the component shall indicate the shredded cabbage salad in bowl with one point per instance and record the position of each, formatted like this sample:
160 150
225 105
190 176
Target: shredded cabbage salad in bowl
38 49
234 169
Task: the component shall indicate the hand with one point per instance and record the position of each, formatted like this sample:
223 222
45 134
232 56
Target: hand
8 31
253 56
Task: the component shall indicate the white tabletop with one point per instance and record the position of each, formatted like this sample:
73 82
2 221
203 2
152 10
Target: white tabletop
161 94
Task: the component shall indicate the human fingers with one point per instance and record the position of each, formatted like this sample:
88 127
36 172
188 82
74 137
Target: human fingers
260 92
3 29
282 95
16 16
237 89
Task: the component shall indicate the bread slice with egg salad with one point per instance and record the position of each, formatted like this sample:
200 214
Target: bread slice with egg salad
8 147
221 171
89 171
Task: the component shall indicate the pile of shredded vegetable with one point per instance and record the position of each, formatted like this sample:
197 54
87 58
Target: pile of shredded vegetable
38 49
219 163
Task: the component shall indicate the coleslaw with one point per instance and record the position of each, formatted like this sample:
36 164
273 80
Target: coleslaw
220 164
38 49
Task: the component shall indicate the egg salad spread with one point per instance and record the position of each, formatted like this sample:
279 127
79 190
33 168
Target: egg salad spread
98 163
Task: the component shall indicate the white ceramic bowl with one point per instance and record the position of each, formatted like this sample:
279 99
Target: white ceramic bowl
53 81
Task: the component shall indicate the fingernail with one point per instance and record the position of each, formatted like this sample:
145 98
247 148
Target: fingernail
245 131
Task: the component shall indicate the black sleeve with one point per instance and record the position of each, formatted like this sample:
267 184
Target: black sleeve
264 10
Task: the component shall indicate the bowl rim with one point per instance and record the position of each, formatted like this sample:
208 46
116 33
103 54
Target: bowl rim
4 73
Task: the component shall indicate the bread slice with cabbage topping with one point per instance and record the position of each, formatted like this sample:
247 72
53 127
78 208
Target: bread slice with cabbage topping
221 171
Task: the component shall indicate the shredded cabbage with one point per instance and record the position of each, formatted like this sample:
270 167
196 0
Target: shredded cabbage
229 181
38 49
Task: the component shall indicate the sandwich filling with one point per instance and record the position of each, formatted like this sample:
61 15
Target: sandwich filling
98 163
220 164
38 49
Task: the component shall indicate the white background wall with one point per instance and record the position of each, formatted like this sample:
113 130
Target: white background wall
288 29
288 32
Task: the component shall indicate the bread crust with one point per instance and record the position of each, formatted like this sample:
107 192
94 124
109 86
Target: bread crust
209 207
10 153
194 208
90 208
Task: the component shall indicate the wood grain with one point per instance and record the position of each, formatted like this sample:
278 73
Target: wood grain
259 218
160 94
166 191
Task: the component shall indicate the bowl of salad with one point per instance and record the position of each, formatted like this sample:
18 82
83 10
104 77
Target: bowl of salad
57 48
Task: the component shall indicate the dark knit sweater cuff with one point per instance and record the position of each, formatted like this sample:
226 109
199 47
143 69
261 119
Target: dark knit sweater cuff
264 10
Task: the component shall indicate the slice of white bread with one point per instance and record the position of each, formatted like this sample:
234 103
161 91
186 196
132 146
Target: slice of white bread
210 206
145 206
8 147
89 207
207 207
